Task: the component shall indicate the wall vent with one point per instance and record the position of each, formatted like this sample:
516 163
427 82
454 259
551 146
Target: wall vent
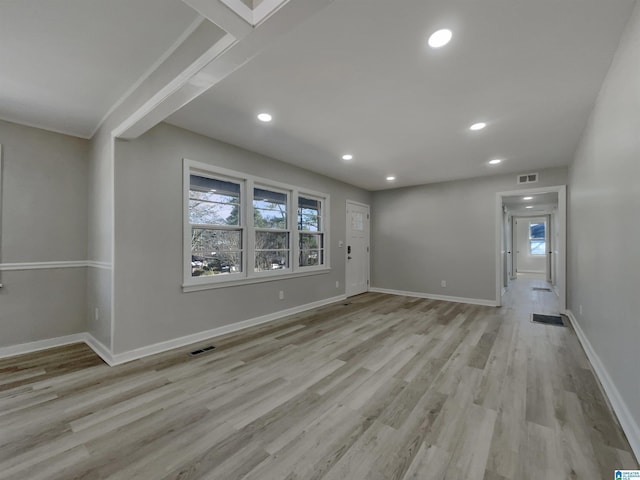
528 178
202 350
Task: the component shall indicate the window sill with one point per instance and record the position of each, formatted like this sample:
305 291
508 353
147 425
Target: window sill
197 287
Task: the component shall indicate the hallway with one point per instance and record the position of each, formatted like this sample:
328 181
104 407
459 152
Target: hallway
529 294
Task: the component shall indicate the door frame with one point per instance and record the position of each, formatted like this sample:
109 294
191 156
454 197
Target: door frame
514 260
368 241
561 247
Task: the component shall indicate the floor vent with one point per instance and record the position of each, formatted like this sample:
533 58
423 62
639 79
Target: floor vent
555 320
541 289
202 350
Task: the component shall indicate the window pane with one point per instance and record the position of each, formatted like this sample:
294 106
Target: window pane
269 209
206 213
536 231
357 221
538 247
215 251
213 202
308 214
272 241
310 258
311 241
222 263
271 260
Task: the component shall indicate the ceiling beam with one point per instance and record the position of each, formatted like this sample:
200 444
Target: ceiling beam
207 56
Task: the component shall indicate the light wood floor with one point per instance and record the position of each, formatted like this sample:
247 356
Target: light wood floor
383 388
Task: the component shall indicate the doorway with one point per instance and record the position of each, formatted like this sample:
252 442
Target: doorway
357 251
533 223
531 247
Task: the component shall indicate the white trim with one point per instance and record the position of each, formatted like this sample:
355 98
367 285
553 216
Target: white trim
247 184
126 128
627 422
38 345
561 247
7 267
179 41
240 9
102 265
265 9
99 348
247 281
446 298
160 347
21 266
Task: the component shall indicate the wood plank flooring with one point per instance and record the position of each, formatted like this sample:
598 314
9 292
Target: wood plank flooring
386 387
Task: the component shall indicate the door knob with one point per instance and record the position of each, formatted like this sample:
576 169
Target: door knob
348 258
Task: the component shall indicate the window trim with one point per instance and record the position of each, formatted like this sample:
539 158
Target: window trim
544 240
324 204
247 183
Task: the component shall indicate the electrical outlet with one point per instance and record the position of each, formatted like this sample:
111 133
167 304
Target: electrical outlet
580 309
281 295
443 283
337 283
96 314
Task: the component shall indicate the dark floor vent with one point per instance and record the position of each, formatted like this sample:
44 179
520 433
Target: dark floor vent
547 319
541 289
202 350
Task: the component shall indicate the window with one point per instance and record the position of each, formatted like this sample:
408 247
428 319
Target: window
310 232
271 222
239 228
216 231
537 245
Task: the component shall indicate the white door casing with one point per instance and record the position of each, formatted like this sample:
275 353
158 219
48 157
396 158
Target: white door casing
357 249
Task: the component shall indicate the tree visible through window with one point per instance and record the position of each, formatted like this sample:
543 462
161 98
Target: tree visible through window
240 228
271 232
310 233
537 244
216 233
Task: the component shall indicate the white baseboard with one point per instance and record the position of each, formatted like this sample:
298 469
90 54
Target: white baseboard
119 358
116 359
472 301
99 348
627 422
38 345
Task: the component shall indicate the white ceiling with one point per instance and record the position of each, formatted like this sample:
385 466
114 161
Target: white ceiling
357 78
65 63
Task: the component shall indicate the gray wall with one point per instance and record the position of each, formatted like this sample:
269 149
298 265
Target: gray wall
149 303
44 219
100 237
604 231
444 231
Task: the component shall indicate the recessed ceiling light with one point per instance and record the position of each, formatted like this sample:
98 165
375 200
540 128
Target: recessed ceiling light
529 206
527 198
440 38
477 126
390 178
264 117
495 161
347 157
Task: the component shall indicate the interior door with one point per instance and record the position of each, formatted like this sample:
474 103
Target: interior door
357 251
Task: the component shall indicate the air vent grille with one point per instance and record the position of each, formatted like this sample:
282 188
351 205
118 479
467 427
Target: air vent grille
202 350
528 178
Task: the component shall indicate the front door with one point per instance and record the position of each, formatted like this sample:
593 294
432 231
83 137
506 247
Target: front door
357 269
